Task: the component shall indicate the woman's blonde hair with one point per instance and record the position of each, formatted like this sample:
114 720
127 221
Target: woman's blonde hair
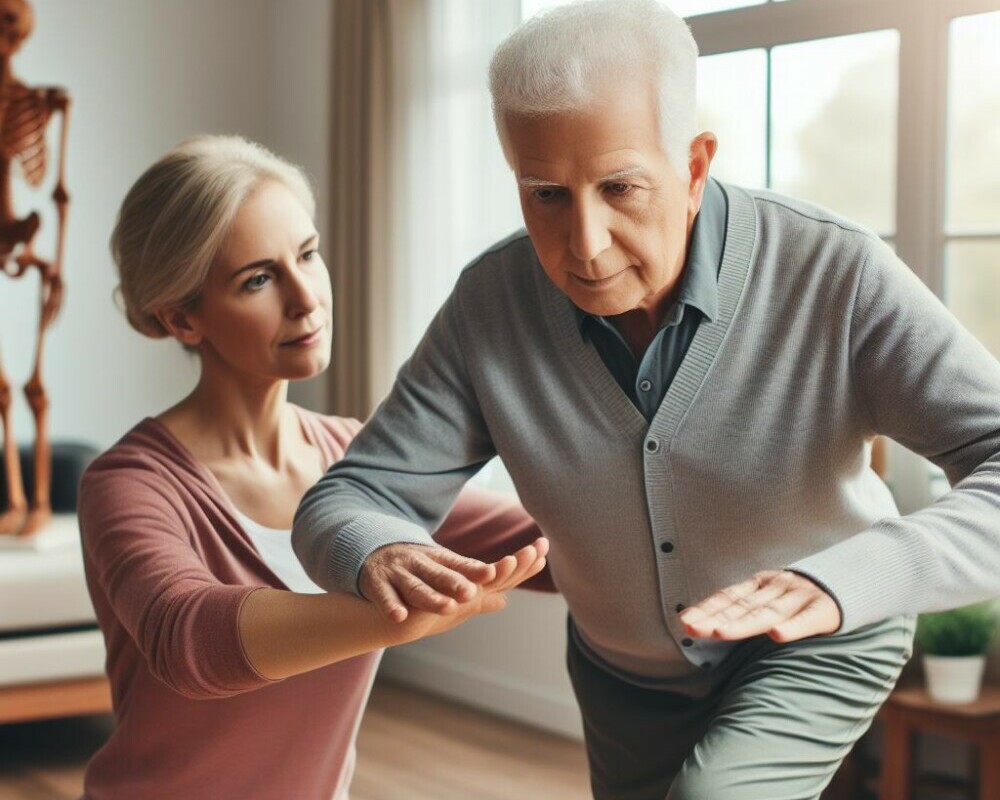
176 216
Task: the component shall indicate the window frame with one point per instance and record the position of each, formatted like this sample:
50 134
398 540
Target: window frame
920 235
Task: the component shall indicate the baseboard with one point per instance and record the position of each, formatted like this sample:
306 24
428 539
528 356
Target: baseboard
493 692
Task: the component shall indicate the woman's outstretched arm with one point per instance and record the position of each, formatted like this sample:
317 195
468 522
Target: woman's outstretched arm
284 633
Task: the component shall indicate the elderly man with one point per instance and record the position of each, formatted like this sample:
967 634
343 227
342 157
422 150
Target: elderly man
683 379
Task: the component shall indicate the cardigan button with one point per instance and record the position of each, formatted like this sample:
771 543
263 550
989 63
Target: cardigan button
679 607
667 547
687 642
652 445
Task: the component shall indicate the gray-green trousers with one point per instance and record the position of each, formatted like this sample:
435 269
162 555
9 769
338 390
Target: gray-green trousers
775 728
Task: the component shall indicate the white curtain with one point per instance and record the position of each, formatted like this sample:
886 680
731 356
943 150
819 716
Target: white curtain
449 192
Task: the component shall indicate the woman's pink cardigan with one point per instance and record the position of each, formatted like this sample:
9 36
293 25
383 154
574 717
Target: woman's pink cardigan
168 568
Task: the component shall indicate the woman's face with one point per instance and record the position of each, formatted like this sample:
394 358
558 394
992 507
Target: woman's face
265 309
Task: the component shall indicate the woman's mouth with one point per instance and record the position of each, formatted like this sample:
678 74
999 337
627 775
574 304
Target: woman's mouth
308 340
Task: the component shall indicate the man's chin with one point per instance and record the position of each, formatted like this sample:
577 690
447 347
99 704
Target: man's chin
593 303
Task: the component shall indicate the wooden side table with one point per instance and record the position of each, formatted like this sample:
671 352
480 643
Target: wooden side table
911 711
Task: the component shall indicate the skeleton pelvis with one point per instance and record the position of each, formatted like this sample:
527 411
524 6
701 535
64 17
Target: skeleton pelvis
17 232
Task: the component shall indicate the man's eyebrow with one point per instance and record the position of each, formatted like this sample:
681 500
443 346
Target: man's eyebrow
628 172
531 180
617 175
268 261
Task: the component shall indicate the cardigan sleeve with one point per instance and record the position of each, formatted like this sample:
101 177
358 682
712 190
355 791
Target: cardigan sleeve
136 539
404 470
923 380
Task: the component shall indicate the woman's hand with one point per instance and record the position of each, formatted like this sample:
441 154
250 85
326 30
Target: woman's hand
785 605
510 571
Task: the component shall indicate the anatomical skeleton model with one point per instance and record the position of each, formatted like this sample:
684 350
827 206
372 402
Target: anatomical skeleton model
25 112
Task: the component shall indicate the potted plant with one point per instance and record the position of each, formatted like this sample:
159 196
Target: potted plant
955 644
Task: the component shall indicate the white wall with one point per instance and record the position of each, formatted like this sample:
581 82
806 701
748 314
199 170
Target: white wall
143 76
511 664
299 40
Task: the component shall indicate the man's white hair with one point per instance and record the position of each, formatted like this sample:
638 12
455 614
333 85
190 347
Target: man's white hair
564 60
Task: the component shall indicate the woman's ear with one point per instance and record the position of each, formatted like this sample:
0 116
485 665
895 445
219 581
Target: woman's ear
180 324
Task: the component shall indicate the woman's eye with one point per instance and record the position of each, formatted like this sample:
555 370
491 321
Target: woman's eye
308 255
256 282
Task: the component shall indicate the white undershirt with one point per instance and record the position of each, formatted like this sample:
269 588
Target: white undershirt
275 548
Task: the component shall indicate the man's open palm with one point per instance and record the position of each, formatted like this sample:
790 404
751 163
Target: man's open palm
783 604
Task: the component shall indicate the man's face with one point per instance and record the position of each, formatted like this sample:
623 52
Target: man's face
608 215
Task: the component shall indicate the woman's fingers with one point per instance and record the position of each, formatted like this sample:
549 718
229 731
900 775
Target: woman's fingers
505 567
511 568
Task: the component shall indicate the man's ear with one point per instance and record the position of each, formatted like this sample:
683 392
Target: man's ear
701 153
180 324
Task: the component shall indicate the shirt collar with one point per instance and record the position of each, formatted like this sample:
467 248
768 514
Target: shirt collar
700 278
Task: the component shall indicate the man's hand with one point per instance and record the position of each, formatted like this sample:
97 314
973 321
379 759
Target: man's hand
783 604
401 576
511 571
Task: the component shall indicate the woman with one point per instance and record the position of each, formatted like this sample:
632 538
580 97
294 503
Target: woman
232 674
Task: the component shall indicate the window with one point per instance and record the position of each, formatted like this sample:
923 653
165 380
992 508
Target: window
972 205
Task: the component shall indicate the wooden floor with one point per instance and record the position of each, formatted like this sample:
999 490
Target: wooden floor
411 746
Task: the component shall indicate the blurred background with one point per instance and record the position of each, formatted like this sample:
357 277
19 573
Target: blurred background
886 111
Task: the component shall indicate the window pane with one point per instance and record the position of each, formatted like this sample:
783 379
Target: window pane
974 124
972 287
685 8
732 103
833 119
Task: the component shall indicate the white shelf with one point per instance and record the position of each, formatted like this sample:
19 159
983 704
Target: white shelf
45 587
51 657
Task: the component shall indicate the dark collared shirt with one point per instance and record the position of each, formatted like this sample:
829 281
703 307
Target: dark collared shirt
646 380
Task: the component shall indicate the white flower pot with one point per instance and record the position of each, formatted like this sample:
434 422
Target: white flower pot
954 679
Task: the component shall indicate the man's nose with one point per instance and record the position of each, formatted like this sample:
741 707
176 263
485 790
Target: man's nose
589 234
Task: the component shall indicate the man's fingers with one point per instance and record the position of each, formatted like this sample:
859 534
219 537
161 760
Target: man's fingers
388 602
820 616
469 568
703 617
418 594
763 618
444 580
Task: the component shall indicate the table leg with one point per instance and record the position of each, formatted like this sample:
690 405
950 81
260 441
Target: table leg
896 779
989 767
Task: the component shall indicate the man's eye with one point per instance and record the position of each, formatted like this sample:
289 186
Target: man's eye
256 282
620 189
546 194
